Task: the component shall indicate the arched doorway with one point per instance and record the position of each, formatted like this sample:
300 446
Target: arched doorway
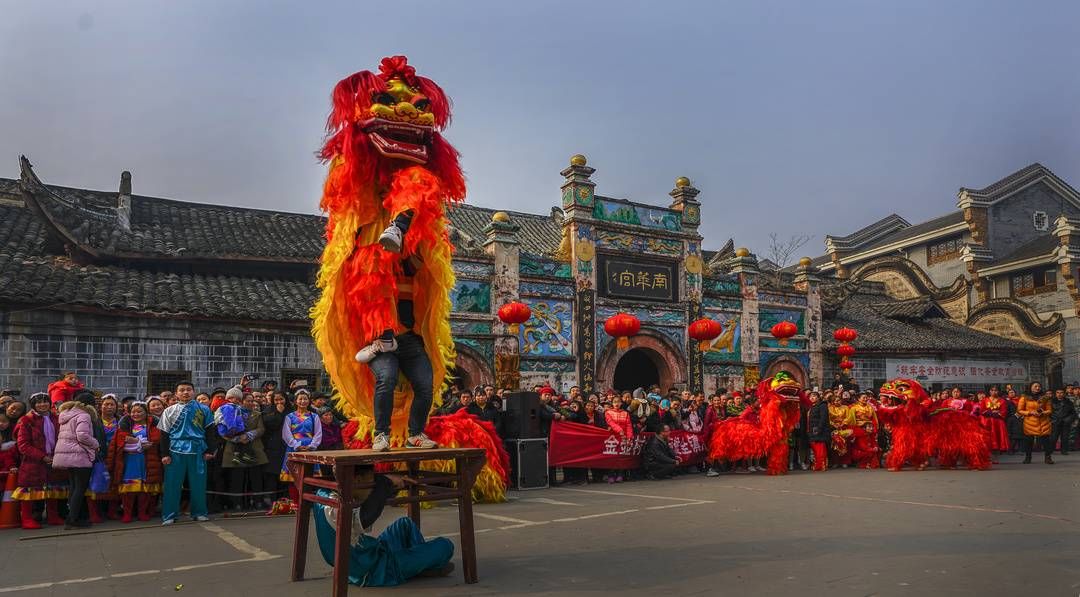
785 363
652 351
470 369
636 369
1055 377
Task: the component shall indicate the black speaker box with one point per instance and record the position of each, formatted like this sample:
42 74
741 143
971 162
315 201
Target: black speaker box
522 419
528 463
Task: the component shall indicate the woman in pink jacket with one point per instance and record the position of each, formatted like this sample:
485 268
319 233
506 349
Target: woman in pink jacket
76 448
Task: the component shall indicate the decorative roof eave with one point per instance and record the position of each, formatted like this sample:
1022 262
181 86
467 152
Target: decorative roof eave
887 225
1014 183
923 284
1023 312
62 238
852 258
1002 268
36 193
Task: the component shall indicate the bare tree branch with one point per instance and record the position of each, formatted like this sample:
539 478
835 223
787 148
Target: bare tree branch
781 253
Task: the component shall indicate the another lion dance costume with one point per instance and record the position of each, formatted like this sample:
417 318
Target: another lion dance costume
762 431
921 430
386 272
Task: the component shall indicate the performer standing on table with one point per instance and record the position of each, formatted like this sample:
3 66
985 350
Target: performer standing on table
385 274
399 553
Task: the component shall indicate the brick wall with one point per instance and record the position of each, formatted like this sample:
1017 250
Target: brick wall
1011 220
114 354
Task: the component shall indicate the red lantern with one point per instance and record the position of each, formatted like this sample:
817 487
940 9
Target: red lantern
621 326
705 331
784 330
846 365
845 335
514 314
845 350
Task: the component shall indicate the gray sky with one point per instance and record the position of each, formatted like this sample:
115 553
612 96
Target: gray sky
793 117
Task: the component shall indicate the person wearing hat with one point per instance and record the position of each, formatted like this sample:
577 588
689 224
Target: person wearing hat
394 556
36 480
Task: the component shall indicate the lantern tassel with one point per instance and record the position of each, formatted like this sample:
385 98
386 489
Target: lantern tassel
622 343
513 329
703 346
783 342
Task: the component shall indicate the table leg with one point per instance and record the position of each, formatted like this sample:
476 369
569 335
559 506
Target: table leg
343 544
465 519
414 491
303 519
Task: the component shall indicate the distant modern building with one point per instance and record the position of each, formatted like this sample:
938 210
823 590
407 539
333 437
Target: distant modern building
135 292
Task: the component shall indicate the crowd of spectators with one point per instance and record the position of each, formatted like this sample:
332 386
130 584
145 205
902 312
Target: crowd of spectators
80 457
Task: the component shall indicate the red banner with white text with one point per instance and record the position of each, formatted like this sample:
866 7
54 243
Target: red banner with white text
585 446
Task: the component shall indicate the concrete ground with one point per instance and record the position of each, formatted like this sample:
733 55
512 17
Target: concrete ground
1009 531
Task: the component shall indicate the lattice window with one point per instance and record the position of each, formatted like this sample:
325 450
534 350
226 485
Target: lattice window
944 251
1034 282
1041 221
159 381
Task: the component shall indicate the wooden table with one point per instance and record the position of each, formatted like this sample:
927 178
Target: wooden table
436 487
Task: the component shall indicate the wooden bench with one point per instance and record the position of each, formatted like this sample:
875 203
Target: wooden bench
435 486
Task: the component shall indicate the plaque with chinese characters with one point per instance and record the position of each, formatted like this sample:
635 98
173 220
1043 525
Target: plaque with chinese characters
649 280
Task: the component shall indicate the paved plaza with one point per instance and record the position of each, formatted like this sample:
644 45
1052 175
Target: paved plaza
1009 531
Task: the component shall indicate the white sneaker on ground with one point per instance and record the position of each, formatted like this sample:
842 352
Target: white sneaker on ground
371 350
381 443
421 441
166 523
391 239
201 519
712 473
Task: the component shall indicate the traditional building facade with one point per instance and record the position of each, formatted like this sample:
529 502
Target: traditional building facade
135 292
1004 262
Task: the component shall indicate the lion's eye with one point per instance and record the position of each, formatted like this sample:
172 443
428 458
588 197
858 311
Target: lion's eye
383 98
422 104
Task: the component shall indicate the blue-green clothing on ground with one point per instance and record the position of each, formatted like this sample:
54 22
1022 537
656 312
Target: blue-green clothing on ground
396 555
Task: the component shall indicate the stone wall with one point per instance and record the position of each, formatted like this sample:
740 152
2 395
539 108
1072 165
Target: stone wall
115 354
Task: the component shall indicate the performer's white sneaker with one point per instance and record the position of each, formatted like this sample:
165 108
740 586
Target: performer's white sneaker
372 350
381 443
421 441
391 239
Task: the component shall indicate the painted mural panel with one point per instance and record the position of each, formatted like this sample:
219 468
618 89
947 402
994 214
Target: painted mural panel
471 296
767 318
549 332
722 284
466 327
641 215
728 346
792 344
536 265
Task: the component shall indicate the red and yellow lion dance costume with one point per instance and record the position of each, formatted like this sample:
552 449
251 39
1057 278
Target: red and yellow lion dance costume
387 157
922 430
762 431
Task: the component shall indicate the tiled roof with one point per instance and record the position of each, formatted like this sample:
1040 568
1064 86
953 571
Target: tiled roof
539 235
888 325
1018 178
1037 247
29 275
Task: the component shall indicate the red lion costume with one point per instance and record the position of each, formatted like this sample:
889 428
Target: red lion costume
763 430
921 431
388 159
